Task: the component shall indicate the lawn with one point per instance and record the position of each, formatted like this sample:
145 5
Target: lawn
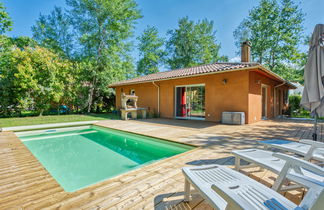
8 122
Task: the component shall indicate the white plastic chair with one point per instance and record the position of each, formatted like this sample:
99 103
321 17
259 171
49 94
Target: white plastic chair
307 148
287 167
224 188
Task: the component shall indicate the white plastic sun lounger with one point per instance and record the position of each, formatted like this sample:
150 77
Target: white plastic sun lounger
287 167
307 148
224 188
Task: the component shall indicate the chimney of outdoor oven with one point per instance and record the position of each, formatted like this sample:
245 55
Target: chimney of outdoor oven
246 51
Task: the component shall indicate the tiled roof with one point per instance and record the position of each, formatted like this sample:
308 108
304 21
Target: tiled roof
199 70
178 73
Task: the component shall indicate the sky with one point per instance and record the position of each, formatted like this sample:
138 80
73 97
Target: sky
164 14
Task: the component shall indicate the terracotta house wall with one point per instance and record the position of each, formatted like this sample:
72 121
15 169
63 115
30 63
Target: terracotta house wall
219 97
281 101
242 92
256 80
146 92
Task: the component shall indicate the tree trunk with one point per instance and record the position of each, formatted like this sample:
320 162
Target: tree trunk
41 112
90 95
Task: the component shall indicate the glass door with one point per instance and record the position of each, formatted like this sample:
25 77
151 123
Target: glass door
190 102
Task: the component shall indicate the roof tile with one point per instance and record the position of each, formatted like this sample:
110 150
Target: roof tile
202 69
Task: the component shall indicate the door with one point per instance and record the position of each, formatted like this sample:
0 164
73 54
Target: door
190 102
264 100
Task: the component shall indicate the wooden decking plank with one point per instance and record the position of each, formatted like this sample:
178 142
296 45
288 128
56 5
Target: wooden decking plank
165 186
152 180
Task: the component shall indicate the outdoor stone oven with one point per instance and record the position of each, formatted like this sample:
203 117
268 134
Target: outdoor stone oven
129 105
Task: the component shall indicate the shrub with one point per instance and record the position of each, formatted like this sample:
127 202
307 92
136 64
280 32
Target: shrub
295 110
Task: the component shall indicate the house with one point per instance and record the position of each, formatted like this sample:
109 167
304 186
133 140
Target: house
204 92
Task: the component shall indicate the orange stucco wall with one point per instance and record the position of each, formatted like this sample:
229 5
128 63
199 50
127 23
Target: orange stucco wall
146 92
219 97
241 93
256 81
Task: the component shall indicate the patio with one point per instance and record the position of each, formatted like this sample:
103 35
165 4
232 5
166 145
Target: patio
26 184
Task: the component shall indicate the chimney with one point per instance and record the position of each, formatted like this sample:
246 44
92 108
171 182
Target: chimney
246 51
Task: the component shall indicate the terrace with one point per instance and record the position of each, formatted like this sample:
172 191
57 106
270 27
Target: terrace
26 184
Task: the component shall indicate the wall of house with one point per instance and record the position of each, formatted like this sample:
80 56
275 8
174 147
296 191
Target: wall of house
274 107
146 92
219 97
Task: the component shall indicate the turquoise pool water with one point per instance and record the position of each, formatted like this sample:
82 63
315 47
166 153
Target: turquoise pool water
79 157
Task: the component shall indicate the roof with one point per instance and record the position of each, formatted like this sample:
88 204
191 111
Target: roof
197 71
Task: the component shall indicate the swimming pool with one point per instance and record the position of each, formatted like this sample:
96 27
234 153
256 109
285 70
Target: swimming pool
82 156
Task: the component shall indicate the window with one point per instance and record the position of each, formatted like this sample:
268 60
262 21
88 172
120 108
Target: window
190 102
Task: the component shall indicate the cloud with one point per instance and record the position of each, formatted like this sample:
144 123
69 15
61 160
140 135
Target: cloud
235 59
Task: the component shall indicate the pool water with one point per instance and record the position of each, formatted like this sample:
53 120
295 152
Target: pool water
79 157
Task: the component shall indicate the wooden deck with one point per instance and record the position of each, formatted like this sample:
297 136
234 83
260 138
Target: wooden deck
24 183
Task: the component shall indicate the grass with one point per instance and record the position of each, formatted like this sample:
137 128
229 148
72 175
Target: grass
18 121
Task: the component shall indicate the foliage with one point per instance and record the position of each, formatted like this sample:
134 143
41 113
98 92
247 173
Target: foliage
150 51
103 29
22 41
54 32
5 20
36 77
192 44
5 44
275 29
295 110
95 35
9 94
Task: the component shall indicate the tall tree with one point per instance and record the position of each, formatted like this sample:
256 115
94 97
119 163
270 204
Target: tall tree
275 29
5 20
150 51
103 29
55 32
192 44
36 77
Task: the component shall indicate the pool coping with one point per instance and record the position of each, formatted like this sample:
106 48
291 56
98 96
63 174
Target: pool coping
71 124
42 126
164 139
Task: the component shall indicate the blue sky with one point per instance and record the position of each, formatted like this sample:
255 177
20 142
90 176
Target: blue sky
164 14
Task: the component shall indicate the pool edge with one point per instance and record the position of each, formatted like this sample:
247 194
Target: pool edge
45 126
164 139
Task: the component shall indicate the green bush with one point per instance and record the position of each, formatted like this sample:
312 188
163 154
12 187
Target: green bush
295 110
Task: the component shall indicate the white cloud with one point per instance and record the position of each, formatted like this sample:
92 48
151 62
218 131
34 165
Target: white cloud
235 59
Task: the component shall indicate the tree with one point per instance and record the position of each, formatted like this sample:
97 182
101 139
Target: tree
275 30
8 92
54 31
5 20
36 77
22 42
192 44
150 51
103 28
